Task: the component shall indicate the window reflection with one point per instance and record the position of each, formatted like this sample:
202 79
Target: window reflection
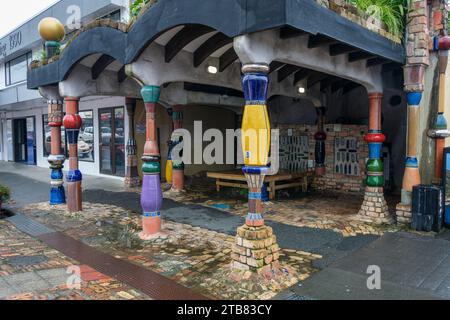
85 139
48 138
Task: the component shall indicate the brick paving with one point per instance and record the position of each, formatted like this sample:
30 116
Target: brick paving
328 211
194 257
30 270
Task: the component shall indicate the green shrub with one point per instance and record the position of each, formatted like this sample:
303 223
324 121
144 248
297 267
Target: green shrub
138 5
4 193
391 12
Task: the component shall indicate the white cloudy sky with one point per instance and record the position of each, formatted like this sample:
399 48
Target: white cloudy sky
15 12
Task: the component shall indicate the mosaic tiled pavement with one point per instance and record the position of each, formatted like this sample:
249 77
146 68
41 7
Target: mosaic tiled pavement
194 257
29 270
330 211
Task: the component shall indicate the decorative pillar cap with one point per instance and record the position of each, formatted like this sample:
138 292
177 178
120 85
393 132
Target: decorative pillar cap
438 134
414 98
71 99
255 170
444 43
375 138
151 94
320 136
256 68
51 29
375 95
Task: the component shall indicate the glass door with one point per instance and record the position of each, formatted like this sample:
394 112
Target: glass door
31 141
112 141
20 140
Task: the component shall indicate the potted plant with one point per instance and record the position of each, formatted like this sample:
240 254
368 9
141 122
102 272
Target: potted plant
4 195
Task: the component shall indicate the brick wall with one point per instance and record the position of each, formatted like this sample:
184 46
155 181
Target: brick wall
332 180
418 41
438 13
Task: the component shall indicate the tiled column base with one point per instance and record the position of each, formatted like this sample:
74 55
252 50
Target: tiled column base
256 249
374 208
132 182
132 177
404 214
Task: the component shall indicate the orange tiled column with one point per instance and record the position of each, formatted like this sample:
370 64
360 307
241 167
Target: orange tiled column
72 123
374 208
56 158
178 165
440 132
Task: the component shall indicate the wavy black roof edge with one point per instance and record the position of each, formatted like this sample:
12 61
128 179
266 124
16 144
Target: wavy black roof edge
231 17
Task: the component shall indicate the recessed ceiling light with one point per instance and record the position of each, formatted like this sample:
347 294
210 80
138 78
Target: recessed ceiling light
212 69
301 90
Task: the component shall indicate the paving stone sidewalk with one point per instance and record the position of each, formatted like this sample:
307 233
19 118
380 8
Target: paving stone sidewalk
30 270
195 257
411 267
309 245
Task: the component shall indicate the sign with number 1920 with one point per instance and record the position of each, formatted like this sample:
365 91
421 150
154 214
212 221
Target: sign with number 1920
15 40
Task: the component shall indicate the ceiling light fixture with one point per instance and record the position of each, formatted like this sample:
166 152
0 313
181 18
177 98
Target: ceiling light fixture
212 69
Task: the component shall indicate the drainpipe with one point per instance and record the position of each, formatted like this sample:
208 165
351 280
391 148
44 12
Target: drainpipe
440 132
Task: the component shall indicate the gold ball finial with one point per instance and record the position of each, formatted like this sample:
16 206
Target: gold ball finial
51 29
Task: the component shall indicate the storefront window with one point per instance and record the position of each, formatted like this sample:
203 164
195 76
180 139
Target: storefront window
16 70
9 140
86 138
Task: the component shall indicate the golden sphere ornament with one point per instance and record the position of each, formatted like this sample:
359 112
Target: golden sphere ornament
51 29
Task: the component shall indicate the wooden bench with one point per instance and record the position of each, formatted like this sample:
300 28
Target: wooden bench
283 180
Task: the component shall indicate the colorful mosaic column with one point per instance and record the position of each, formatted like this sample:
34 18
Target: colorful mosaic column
72 123
178 165
132 176
255 248
170 146
52 31
374 208
56 158
151 197
320 138
440 132
411 176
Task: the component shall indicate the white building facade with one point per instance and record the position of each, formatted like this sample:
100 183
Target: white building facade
24 133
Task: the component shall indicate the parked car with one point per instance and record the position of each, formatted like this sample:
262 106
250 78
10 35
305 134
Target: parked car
85 150
106 136
88 135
